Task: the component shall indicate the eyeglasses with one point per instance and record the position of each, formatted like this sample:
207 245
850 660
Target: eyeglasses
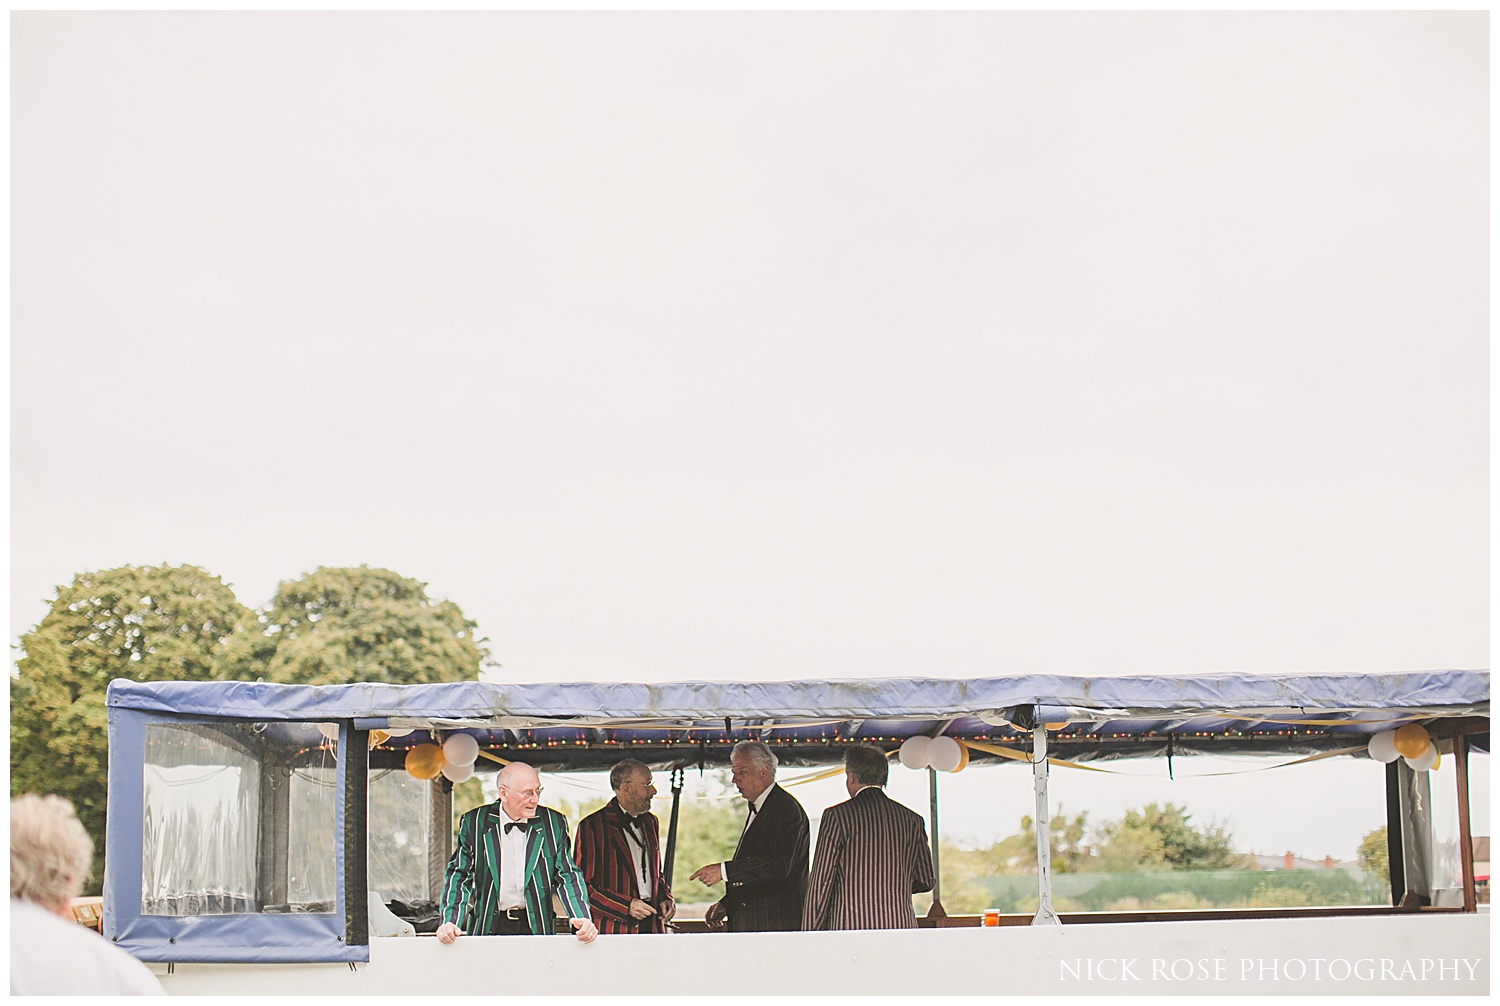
527 794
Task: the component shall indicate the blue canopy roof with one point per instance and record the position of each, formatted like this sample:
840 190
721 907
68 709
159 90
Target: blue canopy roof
591 724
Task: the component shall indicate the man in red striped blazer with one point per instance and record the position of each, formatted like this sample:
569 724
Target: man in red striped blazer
872 855
618 849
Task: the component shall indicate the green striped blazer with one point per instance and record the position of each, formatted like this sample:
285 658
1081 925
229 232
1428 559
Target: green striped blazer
471 887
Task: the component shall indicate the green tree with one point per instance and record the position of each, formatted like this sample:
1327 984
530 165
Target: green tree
1162 837
1375 855
1067 853
339 625
145 623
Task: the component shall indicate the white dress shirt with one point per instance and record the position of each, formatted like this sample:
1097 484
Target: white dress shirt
512 863
635 841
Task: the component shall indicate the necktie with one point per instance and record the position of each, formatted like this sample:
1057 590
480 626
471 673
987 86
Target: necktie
636 829
514 824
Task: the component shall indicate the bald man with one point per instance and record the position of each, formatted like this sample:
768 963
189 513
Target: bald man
512 856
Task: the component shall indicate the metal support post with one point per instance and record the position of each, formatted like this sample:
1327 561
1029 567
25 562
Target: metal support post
1045 916
937 866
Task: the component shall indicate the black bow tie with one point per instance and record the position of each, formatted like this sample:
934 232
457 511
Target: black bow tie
514 824
633 822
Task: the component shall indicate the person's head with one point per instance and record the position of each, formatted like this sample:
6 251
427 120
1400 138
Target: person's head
50 852
752 766
631 781
520 790
864 766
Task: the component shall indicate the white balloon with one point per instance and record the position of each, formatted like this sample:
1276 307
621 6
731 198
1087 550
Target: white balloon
329 730
914 751
461 749
399 731
944 754
1382 746
1428 759
457 773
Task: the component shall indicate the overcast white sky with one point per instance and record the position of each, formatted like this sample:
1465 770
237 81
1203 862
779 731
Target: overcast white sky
770 346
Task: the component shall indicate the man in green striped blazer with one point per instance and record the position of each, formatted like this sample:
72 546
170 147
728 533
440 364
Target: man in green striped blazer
512 856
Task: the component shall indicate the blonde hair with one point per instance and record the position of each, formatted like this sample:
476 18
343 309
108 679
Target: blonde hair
50 852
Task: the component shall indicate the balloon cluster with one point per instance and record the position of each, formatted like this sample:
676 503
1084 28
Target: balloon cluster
1411 742
942 753
454 760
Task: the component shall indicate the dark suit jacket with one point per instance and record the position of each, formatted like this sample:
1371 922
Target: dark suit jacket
872 857
606 859
768 874
471 888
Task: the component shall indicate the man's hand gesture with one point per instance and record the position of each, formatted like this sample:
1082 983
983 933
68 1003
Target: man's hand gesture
708 875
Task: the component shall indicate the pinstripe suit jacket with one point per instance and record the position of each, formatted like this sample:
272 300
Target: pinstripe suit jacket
471 888
768 874
605 857
872 857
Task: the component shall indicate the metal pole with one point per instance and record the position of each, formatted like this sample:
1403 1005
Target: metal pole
1045 916
937 867
671 856
1395 847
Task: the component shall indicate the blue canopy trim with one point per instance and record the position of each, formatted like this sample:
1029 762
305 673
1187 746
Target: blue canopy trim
580 725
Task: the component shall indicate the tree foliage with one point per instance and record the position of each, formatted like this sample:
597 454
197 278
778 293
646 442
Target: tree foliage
1162 837
1375 855
338 625
1067 852
145 623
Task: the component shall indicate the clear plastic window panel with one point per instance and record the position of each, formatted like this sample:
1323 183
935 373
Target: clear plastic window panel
237 818
1445 871
399 808
312 881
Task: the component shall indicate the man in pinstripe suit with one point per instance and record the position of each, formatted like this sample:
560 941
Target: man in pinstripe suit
872 855
512 856
767 877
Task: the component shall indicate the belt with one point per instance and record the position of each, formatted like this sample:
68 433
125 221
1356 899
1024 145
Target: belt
514 914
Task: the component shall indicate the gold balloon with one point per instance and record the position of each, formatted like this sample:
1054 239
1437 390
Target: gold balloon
1437 760
425 761
963 756
1412 740
1055 726
378 737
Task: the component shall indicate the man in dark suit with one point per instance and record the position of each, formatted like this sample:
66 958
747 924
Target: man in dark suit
512 857
872 855
619 852
766 880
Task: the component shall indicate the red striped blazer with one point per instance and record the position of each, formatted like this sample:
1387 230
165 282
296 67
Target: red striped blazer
604 855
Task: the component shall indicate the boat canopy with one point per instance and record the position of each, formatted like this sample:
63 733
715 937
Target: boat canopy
591 725
239 823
